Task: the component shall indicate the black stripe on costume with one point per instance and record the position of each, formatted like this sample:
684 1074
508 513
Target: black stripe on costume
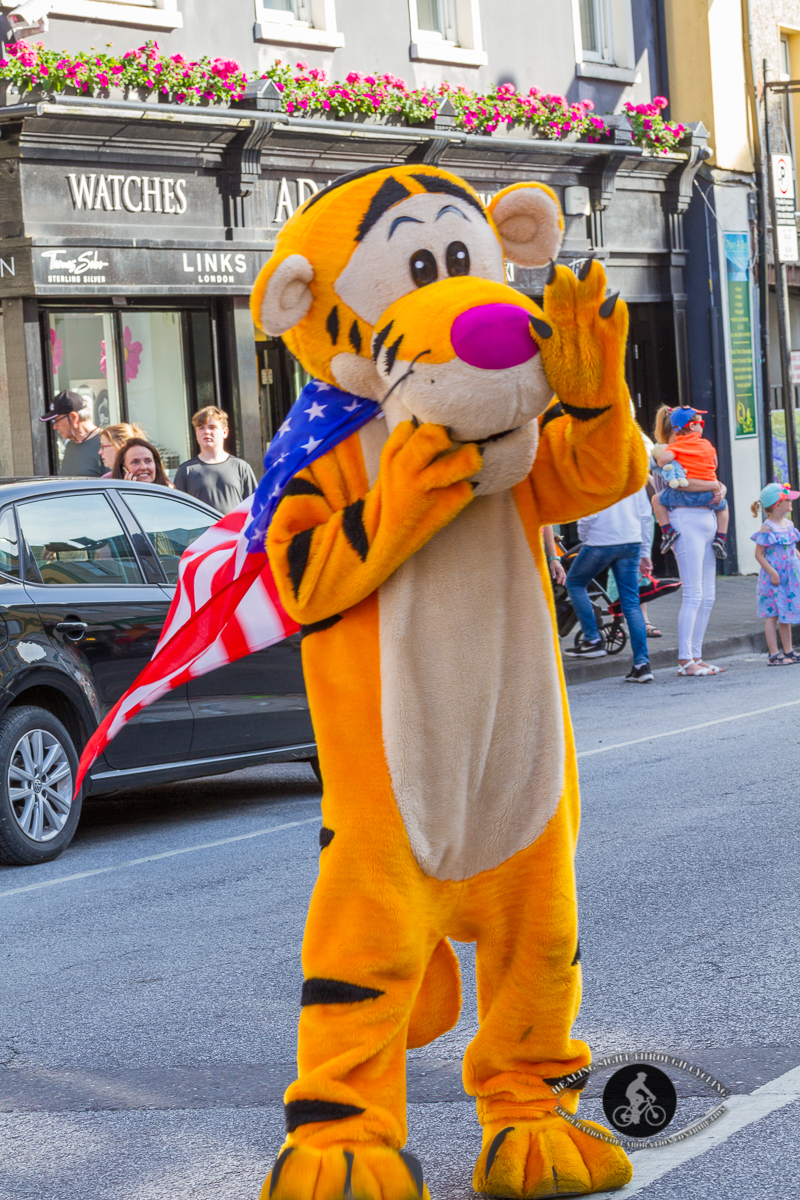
332 324
297 555
305 1112
276 1170
355 337
301 487
348 1179
354 531
341 182
583 414
391 353
334 991
390 192
554 411
577 957
380 338
326 836
319 626
435 183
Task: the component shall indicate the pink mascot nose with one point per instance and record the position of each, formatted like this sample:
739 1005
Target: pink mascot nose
493 336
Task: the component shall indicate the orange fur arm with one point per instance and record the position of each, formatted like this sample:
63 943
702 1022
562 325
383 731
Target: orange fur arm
332 542
583 467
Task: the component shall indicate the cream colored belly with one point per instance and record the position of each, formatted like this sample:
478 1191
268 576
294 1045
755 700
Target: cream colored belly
472 715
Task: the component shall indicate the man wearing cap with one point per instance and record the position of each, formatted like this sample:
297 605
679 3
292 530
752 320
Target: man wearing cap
72 421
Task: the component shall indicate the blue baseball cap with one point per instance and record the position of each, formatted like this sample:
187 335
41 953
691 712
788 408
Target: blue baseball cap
774 492
679 418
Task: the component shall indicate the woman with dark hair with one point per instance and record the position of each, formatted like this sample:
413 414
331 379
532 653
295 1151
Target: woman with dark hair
139 461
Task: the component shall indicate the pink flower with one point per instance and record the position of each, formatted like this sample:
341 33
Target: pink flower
302 66
132 353
56 351
355 77
660 101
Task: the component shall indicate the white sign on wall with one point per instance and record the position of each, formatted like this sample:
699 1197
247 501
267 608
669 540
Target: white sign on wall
783 187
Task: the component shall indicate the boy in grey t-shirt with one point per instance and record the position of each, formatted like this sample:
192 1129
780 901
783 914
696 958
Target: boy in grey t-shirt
217 478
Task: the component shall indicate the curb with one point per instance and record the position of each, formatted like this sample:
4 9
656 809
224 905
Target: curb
619 665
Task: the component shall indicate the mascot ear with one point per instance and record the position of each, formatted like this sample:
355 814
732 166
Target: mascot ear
529 221
281 296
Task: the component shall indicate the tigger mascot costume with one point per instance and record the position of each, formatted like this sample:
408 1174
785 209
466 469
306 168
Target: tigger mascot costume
411 553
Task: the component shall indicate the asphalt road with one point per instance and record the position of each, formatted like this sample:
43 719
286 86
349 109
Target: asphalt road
150 977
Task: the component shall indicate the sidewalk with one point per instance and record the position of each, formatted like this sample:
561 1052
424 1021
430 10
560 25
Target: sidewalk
733 628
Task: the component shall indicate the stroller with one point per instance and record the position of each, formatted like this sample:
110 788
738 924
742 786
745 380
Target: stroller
613 630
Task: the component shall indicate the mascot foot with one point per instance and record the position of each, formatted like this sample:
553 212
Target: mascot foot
358 1171
548 1157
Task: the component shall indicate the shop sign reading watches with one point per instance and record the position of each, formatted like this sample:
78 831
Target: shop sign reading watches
136 193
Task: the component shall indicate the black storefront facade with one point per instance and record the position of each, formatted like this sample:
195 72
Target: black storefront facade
131 235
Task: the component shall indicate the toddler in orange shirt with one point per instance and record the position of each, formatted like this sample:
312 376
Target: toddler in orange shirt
695 458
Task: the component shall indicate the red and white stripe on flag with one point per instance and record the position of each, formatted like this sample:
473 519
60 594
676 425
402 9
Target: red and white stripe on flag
225 606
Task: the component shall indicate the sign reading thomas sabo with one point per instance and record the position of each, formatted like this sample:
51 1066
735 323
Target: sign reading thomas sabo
143 269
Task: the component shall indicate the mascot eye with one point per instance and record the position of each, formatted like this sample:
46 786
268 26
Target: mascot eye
423 268
457 256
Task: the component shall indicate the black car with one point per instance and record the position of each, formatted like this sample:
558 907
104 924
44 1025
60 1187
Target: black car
87 573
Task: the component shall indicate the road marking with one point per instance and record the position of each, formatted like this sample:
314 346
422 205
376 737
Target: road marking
652 737
136 862
650 1165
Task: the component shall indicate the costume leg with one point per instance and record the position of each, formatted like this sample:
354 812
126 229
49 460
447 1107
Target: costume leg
524 919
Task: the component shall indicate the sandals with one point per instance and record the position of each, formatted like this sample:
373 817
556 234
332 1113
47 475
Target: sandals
652 631
782 660
708 670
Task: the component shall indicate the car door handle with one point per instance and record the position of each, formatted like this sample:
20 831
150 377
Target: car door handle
72 630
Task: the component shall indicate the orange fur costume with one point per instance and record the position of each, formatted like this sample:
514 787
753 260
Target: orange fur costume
412 555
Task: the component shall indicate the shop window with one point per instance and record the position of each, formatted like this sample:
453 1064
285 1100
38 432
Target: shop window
604 46
152 368
147 14
83 360
309 23
447 31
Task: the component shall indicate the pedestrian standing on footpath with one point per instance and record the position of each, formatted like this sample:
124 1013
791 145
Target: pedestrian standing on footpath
214 476
113 438
778 591
138 461
72 421
619 538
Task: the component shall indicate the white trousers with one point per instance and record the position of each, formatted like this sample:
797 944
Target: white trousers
698 571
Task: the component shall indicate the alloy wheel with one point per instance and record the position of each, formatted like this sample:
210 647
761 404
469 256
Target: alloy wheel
40 785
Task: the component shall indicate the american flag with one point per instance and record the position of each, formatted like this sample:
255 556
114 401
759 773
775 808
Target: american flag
226 604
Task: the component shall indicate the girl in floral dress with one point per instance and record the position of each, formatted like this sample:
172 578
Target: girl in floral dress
779 579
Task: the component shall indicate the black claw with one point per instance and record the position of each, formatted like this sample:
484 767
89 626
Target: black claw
585 268
348 1181
551 273
414 421
541 327
276 1170
607 307
495 1146
414 1169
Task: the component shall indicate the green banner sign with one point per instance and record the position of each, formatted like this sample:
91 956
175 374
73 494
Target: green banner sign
737 262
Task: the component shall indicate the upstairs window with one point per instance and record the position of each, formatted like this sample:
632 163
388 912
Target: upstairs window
604 42
446 31
141 14
595 30
304 23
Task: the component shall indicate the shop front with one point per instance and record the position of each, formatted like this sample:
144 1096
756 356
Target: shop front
131 236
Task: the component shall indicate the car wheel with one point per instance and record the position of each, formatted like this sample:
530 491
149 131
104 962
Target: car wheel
38 765
314 764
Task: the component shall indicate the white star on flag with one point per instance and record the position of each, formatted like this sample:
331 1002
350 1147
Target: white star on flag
284 428
316 410
312 444
349 407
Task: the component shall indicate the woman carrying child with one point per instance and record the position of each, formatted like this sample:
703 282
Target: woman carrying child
694 534
778 589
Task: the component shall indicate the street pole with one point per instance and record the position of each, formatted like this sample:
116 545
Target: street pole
782 293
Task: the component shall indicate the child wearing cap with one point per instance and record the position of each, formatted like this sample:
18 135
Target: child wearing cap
693 457
778 592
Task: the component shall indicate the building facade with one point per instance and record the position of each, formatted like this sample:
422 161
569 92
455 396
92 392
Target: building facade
131 233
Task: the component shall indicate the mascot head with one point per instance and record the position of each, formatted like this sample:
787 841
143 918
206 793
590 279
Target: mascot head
392 281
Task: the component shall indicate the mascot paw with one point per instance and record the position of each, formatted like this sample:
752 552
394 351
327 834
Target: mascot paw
358 1171
548 1157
